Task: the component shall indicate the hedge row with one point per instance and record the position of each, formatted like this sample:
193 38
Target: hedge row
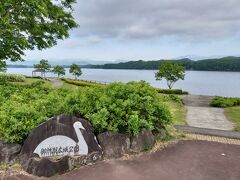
80 83
171 91
12 78
225 102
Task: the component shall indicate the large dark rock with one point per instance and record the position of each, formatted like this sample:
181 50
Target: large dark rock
47 167
9 152
114 145
57 131
143 141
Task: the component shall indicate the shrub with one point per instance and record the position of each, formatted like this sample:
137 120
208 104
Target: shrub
119 107
23 108
171 91
12 78
174 98
80 83
225 102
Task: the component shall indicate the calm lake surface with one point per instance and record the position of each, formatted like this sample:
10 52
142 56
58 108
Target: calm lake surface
196 82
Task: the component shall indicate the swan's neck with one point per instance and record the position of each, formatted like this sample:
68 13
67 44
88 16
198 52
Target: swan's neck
80 137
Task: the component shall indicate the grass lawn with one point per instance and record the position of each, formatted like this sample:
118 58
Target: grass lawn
178 112
33 80
70 86
233 114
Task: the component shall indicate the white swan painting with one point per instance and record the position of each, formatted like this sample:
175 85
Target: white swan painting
60 145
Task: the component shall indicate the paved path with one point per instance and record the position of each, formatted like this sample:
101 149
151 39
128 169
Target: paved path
56 82
187 160
200 114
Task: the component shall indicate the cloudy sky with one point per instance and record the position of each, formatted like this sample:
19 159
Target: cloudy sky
149 29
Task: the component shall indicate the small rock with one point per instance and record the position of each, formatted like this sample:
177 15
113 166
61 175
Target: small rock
143 141
114 145
9 152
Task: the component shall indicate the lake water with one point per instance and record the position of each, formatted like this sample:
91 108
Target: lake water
196 82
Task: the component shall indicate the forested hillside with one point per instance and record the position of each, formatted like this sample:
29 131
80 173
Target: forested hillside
222 64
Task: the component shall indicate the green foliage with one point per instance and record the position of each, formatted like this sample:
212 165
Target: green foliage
171 91
119 107
23 108
225 102
80 83
233 114
3 66
59 70
75 70
33 24
12 78
171 72
43 65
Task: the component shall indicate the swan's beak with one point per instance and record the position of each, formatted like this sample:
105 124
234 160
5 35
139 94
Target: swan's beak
81 127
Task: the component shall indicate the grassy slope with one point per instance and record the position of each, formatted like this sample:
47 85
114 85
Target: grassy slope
178 112
233 114
33 80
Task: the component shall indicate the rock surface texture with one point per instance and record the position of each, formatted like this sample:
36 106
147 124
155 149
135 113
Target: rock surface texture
62 126
9 153
143 141
48 167
114 145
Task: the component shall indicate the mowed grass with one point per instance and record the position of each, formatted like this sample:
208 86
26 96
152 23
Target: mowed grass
178 112
233 114
30 81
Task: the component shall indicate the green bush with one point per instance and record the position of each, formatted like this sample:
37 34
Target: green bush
12 78
171 91
23 108
80 83
225 102
119 107
174 98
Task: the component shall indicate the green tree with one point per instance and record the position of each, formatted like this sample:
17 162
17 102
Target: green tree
75 70
3 66
59 70
31 24
43 65
171 72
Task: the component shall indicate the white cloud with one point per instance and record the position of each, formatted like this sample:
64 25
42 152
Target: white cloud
157 18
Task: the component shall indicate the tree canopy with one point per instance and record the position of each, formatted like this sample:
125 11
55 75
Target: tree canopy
75 70
3 66
59 70
171 72
43 65
33 24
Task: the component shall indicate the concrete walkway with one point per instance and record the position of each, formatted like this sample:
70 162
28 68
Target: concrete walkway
200 114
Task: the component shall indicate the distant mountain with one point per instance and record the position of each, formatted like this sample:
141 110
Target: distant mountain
65 62
197 58
222 64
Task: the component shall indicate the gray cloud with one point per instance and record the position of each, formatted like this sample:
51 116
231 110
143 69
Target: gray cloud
127 19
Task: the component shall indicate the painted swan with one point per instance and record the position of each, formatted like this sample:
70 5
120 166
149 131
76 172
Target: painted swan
60 145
